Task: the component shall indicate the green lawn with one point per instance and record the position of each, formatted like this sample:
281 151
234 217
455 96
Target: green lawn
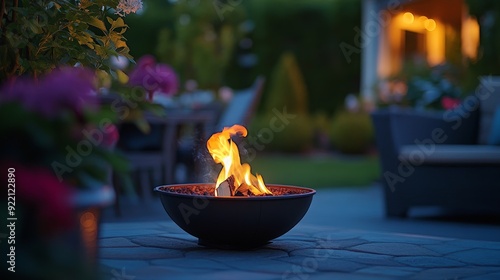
316 172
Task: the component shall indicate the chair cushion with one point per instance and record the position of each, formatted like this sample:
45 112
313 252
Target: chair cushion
494 138
450 154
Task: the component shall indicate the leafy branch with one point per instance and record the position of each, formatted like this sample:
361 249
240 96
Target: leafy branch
37 36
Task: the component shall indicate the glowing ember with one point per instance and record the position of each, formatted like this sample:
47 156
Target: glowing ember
234 176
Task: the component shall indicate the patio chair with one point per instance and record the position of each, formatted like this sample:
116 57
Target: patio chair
146 154
152 156
442 159
242 106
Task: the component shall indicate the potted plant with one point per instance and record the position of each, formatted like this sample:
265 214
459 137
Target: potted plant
57 134
422 87
56 147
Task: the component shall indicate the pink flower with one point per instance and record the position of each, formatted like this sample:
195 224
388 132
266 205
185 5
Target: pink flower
449 103
68 88
154 77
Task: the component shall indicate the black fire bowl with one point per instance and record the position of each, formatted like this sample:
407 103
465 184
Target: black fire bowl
237 222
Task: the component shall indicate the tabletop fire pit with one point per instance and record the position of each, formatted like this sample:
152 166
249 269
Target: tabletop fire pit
239 211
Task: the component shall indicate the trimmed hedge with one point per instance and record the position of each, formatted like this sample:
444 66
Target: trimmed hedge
287 87
352 133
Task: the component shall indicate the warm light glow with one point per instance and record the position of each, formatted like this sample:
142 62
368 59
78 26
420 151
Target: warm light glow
408 17
470 37
225 152
391 49
422 18
88 231
436 45
88 220
430 24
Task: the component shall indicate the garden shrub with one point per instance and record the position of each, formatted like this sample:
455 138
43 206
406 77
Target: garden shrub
287 87
351 133
287 90
321 127
295 137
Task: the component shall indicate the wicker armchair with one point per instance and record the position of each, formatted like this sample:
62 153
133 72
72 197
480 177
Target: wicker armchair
441 158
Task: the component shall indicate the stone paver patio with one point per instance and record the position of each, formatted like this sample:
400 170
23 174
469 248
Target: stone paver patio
344 235
161 250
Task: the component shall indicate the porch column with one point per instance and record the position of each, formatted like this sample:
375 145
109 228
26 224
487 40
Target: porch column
369 53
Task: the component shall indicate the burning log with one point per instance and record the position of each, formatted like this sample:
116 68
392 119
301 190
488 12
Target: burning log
229 188
226 188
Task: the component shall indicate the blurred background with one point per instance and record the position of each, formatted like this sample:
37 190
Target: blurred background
306 77
330 62
295 46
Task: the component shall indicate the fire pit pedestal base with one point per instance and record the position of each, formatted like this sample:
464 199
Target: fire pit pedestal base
235 222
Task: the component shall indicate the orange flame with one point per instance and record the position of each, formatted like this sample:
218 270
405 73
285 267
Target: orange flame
225 152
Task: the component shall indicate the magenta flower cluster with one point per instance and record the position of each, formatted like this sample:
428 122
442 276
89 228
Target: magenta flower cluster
154 77
68 88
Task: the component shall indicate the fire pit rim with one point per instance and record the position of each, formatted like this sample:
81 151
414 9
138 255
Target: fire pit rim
211 197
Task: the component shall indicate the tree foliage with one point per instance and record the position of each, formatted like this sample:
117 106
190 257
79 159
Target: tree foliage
201 42
36 36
